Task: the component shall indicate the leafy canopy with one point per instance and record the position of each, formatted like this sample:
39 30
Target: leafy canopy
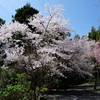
22 14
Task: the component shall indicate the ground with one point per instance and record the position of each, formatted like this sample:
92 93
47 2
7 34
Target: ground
75 93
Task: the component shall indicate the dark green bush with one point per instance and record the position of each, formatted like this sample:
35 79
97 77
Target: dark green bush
19 91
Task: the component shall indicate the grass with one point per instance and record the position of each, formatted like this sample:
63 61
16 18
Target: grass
46 89
92 90
88 83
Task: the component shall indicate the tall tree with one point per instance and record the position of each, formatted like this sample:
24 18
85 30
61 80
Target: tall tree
93 33
98 34
22 14
95 61
1 44
48 53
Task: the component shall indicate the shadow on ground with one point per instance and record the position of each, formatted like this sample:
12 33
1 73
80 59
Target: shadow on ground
76 93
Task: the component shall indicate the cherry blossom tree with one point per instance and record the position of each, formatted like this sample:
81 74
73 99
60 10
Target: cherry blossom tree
47 51
95 61
96 52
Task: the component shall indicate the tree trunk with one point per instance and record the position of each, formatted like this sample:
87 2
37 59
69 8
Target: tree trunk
95 84
96 79
34 94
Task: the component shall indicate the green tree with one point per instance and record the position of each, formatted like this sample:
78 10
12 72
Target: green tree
76 36
22 14
19 90
95 61
93 33
98 34
2 21
5 77
2 55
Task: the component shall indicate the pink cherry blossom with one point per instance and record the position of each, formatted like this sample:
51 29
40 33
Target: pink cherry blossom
50 49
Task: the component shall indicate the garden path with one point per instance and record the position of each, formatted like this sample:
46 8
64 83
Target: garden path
75 93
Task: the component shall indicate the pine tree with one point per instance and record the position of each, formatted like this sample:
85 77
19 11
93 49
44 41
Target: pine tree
98 34
93 33
22 14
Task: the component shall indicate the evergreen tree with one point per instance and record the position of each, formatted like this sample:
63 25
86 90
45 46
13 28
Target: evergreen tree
93 33
98 34
22 14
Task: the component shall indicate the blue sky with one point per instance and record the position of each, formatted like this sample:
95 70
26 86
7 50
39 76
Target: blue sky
83 14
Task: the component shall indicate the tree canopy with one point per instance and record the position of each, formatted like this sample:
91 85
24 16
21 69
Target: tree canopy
47 54
22 14
76 36
2 21
94 34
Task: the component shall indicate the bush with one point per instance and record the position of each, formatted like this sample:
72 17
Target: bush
19 91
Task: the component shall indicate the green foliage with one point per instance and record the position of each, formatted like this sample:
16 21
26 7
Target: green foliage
17 36
5 77
94 34
95 71
76 36
87 83
19 90
2 21
98 34
92 60
22 14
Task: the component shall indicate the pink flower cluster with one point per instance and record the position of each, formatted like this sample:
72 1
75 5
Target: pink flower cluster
96 52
